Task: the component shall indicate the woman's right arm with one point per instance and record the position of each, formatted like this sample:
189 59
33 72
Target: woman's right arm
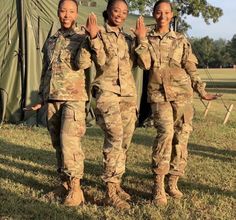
92 49
42 85
142 49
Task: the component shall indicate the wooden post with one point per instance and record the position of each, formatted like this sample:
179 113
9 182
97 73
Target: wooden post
207 109
228 113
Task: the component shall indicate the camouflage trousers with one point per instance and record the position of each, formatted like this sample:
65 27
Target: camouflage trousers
66 125
173 122
116 116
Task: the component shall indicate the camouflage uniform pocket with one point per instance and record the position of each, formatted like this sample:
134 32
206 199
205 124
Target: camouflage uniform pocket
178 75
155 76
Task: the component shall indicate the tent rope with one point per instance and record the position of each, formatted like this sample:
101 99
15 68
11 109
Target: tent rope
209 76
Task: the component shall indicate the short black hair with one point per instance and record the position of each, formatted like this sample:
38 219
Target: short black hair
159 2
62 1
110 3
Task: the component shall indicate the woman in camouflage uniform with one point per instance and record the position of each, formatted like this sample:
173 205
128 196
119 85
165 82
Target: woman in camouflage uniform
62 88
173 78
115 92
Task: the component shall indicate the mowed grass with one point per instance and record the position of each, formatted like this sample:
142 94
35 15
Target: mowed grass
27 173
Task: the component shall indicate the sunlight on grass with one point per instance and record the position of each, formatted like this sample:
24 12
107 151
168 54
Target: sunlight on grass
27 173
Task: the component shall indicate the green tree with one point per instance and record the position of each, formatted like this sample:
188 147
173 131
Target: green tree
203 49
231 48
182 8
212 53
221 56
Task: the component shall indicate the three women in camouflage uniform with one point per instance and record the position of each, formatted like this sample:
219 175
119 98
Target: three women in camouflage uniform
173 78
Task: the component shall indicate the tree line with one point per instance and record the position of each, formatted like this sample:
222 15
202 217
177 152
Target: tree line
214 53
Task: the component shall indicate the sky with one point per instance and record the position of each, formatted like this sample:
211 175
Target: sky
225 28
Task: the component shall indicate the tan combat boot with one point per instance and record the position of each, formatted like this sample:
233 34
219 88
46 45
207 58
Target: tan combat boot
113 199
159 194
121 193
172 188
75 195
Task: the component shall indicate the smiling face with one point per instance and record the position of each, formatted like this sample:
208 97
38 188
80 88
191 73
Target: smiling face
163 15
117 14
67 13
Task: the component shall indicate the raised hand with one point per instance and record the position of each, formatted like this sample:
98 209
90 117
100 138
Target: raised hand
210 97
91 26
140 30
33 108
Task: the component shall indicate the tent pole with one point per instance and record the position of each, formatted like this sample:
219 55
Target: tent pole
22 56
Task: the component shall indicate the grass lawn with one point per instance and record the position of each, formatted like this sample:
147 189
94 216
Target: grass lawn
27 173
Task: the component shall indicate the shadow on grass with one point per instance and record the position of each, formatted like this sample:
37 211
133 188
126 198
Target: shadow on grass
212 152
146 181
24 180
27 167
220 84
21 152
206 189
142 139
94 132
16 207
146 194
20 155
223 90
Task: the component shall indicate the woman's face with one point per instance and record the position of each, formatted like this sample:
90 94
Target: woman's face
67 14
163 15
117 14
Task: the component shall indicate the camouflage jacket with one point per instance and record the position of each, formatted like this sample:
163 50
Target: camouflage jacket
115 57
61 78
173 74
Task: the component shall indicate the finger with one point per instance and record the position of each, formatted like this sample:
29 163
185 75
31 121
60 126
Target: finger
89 19
93 18
142 23
27 109
35 108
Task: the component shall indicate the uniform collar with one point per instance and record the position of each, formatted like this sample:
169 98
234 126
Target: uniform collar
170 34
67 33
109 29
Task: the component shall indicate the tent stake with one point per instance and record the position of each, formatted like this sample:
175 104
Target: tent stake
228 113
207 107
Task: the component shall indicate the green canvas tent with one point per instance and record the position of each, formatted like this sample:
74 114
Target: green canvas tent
25 25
